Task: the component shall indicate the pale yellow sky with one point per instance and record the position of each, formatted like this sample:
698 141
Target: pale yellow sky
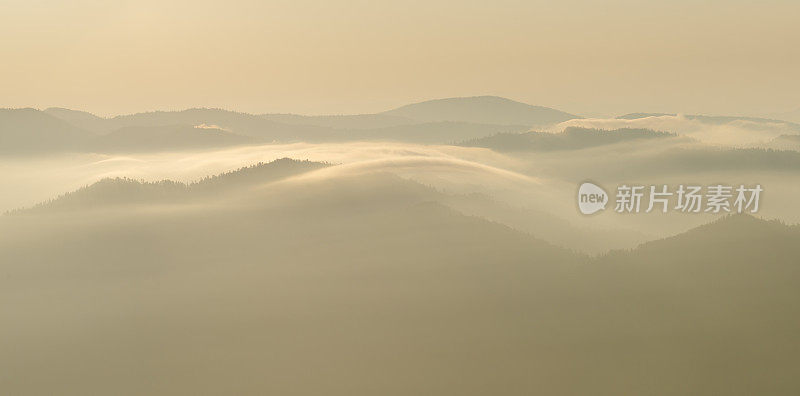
329 56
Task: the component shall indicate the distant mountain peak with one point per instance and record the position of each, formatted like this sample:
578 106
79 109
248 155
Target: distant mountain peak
482 109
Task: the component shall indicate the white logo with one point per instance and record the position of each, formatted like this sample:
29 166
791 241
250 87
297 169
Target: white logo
686 198
718 198
591 198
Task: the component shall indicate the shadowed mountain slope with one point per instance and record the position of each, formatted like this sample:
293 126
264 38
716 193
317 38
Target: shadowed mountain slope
356 283
721 295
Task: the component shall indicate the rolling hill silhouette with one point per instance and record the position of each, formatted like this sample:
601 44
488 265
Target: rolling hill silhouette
30 131
356 121
438 122
24 131
571 138
656 158
320 276
483 110
694 160
442 132
239 123
110 192
169 137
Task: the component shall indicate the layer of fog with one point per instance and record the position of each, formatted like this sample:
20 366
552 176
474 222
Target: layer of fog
40 178
728 131
531 192
349 280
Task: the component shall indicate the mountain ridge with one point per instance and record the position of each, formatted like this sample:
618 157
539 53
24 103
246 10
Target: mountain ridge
482 109
571 138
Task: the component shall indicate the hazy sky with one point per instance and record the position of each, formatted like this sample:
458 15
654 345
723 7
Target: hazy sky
324 56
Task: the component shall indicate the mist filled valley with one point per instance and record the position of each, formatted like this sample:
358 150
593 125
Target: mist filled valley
436 248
